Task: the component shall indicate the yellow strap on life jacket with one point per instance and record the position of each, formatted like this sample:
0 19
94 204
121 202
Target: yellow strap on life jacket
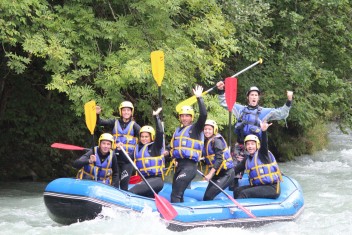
221 166
172 163
206 170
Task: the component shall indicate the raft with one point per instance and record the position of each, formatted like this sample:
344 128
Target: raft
69 200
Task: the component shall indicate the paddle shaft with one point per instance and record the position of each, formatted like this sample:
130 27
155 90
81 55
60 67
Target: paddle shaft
229 130
231 198
193 99
238 73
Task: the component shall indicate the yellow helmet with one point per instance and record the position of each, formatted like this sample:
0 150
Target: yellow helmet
106 136
126 104
149 130
253 138
213 124
187 110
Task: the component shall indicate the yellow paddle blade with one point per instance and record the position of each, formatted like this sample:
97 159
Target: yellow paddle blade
190 101
158 66
91 116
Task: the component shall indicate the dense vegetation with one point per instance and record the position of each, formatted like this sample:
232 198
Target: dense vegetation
56 55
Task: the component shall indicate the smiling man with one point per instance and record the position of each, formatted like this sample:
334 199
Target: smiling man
263 171
186 146
100 163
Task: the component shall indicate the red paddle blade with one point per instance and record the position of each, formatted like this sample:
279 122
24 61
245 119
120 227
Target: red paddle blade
135 179
165 208
230 92
67 146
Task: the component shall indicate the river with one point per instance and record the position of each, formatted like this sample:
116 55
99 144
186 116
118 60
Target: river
326 179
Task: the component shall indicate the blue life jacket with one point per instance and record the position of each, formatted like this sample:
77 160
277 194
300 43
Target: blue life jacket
149 165
209 154
126 137
100 171
262 174
182 146
248 123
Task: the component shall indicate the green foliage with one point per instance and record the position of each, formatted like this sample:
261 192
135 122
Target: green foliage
79 50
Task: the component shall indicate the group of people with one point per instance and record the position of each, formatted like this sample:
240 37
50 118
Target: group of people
191 142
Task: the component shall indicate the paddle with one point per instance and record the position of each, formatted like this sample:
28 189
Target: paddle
230 96
190 101
158 70
91 117
133 180
164 206
67 146
231 198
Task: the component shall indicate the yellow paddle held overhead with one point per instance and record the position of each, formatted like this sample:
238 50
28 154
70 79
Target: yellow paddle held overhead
158 66
190 101
91 116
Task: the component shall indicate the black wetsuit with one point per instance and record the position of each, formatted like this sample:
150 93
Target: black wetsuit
156 182
84 160
186 169
124 166
224 178
259 191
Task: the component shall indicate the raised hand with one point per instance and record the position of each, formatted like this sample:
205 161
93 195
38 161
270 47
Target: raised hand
157 111
198 90
264 125
98 109
220 85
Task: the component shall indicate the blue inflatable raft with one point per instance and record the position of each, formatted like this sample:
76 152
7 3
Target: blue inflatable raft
70 200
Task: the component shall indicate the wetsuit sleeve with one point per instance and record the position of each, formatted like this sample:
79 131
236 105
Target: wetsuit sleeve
115 172
198 127
159 135
83 160
136 129
241 166
263 150
218 148
281 113
105 122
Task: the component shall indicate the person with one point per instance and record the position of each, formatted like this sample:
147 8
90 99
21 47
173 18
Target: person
125 132
186 146
250 116
263 171
149 158
217 155
99 163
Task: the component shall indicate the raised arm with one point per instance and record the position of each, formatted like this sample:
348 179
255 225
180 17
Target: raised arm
199 125
103 122
270 114
159 135
264 150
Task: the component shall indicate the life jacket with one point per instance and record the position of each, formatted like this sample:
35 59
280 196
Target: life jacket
101 171
262 174
149 165
182 146
209 154
125 136
248 123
